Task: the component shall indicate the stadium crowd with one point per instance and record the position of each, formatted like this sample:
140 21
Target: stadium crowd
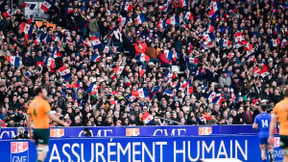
115 62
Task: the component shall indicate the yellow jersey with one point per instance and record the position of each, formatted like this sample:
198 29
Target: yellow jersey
39 109
281 110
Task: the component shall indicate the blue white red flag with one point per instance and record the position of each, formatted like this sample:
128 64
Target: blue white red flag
95 42
14 60
143 92
140 19
147 118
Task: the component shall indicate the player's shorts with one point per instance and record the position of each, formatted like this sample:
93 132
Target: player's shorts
41 136
263 140
283 142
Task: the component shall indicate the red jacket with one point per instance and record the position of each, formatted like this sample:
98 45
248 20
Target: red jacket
140 47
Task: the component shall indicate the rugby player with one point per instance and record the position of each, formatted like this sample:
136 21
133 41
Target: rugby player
280 111
39 111
262 122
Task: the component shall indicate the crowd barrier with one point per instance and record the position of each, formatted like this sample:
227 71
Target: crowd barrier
141 131
144 149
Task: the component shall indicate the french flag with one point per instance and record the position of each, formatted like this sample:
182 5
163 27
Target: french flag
95 42
176 56
127 82
65 72
140 19
262 71
7 13
45 6
142 70
143 92
95 58
208 37
122 21
174 20
191 60
188 16
190 89
14 60
130 98
50 62
183 3
215 5
275 42
161 24
239 38
224 43
164 7
184 84
47 39
210 28
127 6
168 54
169 93
212 13
218 100
211 95
56 53
87 43
118 69
155 90
92 89
284 43
249 48
27 29
147 118
142 58
31 6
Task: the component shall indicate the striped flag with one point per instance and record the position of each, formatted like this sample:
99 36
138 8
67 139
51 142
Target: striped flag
26 29
143 92
95 42
95 58
65 72
174 20
45 6
7 13
140 19
118 69
14 60
169 93
92 89
142 57
127 6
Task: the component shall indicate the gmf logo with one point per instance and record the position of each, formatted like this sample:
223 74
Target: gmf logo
205 130
19 147
132 131
56 132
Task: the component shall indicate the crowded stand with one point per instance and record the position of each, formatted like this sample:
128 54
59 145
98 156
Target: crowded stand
128 63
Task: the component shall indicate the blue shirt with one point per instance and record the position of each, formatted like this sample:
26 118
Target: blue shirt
263 121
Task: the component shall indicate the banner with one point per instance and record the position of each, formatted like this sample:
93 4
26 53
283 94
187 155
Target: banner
145 149
141 131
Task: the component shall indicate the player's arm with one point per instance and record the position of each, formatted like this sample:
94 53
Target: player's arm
273 123
29 121
255 124
54 118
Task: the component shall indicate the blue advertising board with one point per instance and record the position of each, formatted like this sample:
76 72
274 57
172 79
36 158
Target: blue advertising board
127 149
140 131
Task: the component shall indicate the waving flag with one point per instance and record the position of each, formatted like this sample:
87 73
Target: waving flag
130 98
95 42
127 6
56 53
26 29
122 21
7 13
87 43
214 7
239 39
142 70
140 19
190 89
225 43
143 92
50 62
249 48
188 16
161 24
164 6
142 57
14 60
65 72
47 39
118 69
174 20
208 37
218 100
210 28
191 60
210 96
183 3
169 93
147 118
31 6
275 42
92 89
155 90
284 43
261 70
95 58
176 56
45 6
